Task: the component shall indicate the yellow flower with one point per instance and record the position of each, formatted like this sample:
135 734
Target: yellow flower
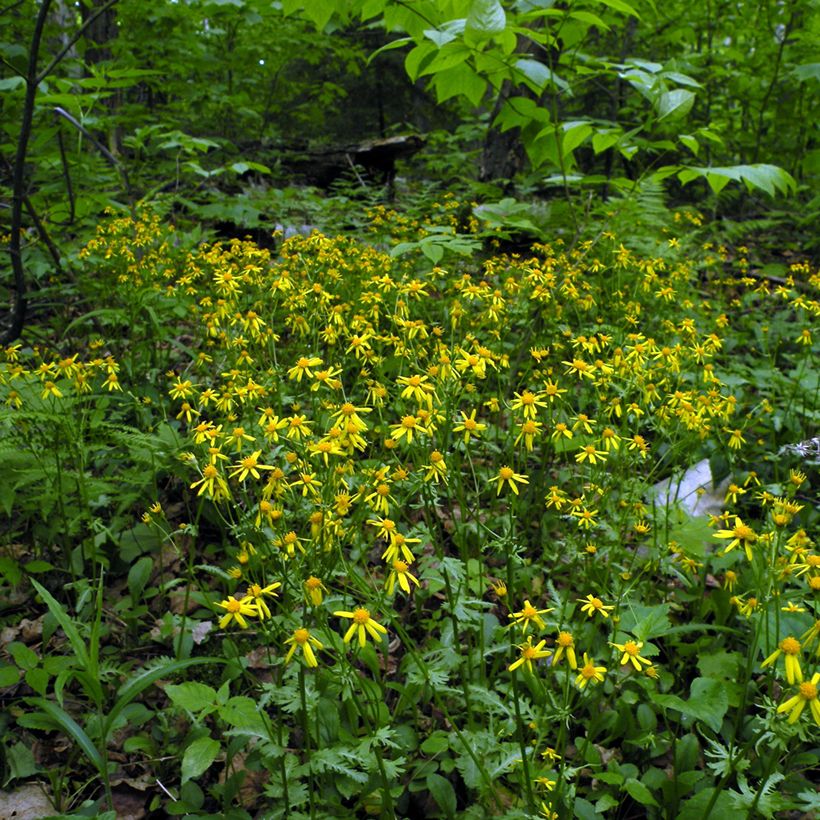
400 572
529 614
469 426
806 693
591 454
314 589
589 673
249 466
303 368
530 653
528 402
302 638
593 605
631 654
406 428
566 645
506 475
362 625
236 611
790 648
740 534
255 595
736 440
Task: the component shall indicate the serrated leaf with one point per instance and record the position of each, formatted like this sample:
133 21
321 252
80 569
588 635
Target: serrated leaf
192 696
198 757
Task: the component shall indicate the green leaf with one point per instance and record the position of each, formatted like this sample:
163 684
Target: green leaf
243 713
690 142
70 727
637 791
619 5
192 696
10 83
708 702
675 104
540 75
56 609
485 19
435 744
198 757
243 167
443 793
138 576
574 135
9 675
22 655
134 687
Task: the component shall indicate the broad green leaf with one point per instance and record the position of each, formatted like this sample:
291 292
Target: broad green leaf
451 55
243 167
590 18
416 58
71 632
807 71
9 675
243 713
690 142
22 655
574 135
10 83
675 104
708 702
198 757
486 18
460 80
138 576
637 791
443 793
138 684
540 75
192 696
619 5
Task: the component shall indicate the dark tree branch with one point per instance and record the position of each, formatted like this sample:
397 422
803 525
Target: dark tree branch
18 314
74 38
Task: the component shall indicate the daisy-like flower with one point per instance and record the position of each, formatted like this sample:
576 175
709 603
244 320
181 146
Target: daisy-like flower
566 645
302 638
469 426
400 571
631 654
806 693
256 594
591 605
249 466
529 653
528 403
303 368
589 673
362 626
789 647
740 535
591 454
236 611
506 475
314 588
529 614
